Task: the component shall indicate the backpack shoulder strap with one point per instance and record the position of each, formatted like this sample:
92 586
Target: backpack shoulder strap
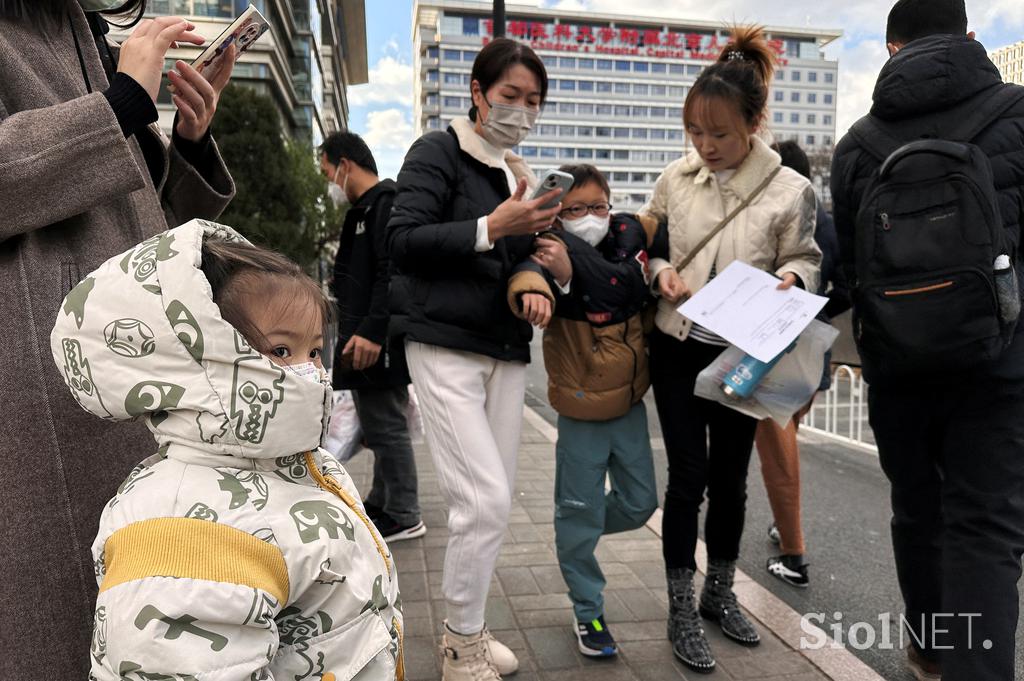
875 137
986 113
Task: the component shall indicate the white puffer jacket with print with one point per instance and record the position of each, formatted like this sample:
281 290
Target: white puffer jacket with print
774 233
240 550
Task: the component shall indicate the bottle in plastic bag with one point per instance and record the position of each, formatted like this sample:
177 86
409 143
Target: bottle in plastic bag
741 382
1007 290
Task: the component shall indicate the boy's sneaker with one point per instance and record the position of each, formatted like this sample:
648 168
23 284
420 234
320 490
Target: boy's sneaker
790 569
594 638
392 531
773 534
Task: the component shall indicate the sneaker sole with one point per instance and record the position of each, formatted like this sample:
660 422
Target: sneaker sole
712 617
411 533
590 652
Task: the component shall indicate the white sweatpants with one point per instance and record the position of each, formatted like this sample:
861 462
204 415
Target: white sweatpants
472 407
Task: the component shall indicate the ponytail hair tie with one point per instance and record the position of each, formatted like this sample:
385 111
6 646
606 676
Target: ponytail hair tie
735 55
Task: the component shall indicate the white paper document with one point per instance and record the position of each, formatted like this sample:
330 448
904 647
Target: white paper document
743 306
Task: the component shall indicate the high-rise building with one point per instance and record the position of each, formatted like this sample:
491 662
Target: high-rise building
616 84
313 51
1010 61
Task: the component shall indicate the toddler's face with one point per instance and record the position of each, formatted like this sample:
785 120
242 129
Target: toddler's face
292 328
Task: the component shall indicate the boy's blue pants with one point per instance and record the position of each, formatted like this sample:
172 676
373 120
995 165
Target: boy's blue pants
586 452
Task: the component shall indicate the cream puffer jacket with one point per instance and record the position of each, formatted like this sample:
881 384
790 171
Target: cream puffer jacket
774 233
240 551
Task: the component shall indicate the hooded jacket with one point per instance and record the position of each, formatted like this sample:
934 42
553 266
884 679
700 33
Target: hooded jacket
444 292
925 90
595 351
240 550
774 233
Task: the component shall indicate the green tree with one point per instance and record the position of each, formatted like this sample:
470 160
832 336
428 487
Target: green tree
281 199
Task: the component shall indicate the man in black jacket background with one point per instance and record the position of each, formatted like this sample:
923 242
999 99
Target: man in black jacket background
952 445
364 361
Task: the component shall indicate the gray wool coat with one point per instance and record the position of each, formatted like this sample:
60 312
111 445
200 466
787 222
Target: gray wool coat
73 192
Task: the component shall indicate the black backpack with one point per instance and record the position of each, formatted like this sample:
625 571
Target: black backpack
927 236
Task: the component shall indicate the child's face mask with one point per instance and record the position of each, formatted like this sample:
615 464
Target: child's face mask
309 371
590 228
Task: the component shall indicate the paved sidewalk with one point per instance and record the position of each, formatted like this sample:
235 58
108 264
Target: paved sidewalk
528 608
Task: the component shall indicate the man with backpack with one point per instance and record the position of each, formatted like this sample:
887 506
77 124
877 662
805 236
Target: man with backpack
929 193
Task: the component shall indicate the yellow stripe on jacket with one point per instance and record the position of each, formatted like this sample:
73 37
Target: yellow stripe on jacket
193 549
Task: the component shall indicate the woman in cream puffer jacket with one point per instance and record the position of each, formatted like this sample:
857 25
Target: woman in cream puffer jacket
708 444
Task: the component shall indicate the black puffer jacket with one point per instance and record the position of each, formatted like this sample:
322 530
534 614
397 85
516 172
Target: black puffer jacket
361 278
925 90
443 291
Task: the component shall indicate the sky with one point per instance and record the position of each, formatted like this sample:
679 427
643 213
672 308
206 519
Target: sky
381 111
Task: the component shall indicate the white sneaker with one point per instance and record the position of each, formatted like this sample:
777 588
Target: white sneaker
504 659
467 658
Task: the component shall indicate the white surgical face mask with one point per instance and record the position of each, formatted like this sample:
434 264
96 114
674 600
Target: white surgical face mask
590 228
338 194
507 125
309 371
99 5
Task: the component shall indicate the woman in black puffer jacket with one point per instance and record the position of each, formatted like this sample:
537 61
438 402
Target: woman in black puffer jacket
459 226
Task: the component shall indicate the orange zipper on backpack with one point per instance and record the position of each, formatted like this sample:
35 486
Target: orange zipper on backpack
922 289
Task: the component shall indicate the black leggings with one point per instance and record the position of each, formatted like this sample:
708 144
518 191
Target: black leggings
686 422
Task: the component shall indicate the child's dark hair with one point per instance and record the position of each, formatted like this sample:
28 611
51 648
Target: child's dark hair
740 77
240 272
584 173
913 19
497 57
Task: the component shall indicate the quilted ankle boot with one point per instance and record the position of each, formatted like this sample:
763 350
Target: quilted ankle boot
684 630
718 604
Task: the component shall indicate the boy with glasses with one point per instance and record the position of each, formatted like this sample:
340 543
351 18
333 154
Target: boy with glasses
593 265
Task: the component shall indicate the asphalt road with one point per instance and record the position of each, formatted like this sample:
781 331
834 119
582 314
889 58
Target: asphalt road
846 527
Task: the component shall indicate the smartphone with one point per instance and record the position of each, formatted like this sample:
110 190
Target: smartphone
553 179
243 32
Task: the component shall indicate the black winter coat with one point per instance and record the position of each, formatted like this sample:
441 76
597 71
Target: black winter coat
926 89
361 279
444 292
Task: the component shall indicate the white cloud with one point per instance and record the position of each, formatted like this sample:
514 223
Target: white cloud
388 129
390 83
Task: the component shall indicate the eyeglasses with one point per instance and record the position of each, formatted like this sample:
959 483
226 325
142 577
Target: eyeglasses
579 210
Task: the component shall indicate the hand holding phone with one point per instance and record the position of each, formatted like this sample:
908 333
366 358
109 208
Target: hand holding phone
552 180
519 216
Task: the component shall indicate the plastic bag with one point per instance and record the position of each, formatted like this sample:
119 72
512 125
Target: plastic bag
788 386
344 434
413 417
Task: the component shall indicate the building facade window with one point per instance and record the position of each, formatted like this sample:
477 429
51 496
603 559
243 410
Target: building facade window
826 119
567 62
810 140
780 95
470 26
622 88
566 85
659 67
640 89
622 66
777 117
812 76
676 69
812 98
794 96
830 77
433 52
812 119
795 77
604 64
794 118
452 55
586 64
640 67
586 86
828 99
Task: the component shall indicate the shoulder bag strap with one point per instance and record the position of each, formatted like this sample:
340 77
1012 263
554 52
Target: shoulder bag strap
728 218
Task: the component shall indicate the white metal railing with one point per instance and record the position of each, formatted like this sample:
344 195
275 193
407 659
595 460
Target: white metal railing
843 412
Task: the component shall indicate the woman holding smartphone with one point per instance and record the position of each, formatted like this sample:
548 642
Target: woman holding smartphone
85 175
461 222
